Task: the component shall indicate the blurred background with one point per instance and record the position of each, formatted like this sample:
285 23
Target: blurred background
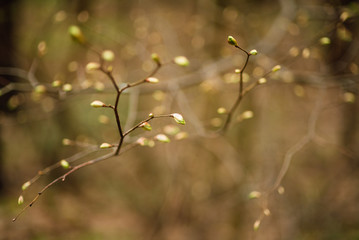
293 140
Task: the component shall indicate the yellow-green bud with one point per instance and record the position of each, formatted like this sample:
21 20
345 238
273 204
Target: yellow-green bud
92 66
178 118
156 58
106 145
221 110
152 80
77 34
276 68
20 200
108 55
253 52
232 41
25 185
67 87
162 138
146 126
65 164
97 104
181 61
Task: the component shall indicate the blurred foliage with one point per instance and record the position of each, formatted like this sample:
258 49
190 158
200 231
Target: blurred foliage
195 188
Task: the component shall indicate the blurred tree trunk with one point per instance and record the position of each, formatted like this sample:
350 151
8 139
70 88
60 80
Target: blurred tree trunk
6 60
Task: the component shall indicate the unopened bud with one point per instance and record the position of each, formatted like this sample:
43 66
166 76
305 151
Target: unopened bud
92 66
156 58
262 80
276 68
256 225
146 126
108 55
152 80
20 200
65 164
221 110
67 87
25 185
232 41
178 118
253 52
106 145
181 61
40 88
76 34
254 194
97 104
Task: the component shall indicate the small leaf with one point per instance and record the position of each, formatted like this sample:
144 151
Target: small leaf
181 61
178 118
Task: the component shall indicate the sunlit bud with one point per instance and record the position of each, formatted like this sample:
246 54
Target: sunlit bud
151 115
253 52
106 145
254 194
152 80
67 87
324 41
281 190
156 58
237 70
110 68
262 80
256 225
25 185
247 114
276 68
231 40
221 110
41 47
178 118
76 34
92 66
181 135
108 55
66 142
266 212
181 61
146 126
20 200
162 138
65 164
40 88
56 83
97 104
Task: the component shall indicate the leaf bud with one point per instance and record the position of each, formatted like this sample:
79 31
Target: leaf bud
162 138
178 118
181 61
232 41
76 34
106 145
97 104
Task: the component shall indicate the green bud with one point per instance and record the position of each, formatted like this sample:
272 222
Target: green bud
108 55
152 80
262 80
146 126
221 110
256 225
65 164
40 88
92 66
181 61
97 104
151 115
76 34
324 41
178 118
253 52
106 145
232 41
56 83
25 185
254 194
20 200
67 87
276 68
156 58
